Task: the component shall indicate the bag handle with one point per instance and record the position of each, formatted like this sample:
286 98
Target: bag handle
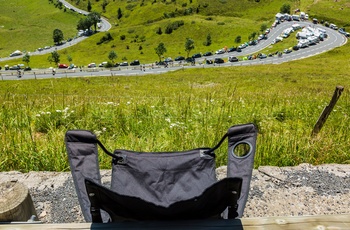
211 151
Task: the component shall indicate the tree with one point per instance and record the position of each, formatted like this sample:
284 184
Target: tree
208 41
26 58
285 8
263 27
159 31
84 24
69 58
89 7
55 57
160 50
252 36
112 55
238 39
94 18
104 4
120 14
189 45
57 36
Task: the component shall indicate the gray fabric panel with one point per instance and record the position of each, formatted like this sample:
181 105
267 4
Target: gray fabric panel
242 167
163 178
82 154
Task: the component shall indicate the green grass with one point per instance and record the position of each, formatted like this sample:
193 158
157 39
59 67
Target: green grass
181 110
228 19
27 25
178 110
242 19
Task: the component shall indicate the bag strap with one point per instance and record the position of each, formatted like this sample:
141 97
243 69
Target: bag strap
211 151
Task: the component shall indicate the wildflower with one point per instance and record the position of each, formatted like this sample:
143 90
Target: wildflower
97 132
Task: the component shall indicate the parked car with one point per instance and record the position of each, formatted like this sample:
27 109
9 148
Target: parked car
231 49
92 65
189 59
102 64
124 63
62 66
220 51
232 59
179 58
209 61
242 46
262 56
253 42
287 51
72 66
219 60
168 59
135 62
197 55
296 48
207 54
16 53
15 67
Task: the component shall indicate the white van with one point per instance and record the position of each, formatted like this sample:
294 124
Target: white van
295 17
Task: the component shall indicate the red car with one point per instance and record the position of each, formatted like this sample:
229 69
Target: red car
62 66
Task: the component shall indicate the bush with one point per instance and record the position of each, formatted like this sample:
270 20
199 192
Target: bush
109 65
106 38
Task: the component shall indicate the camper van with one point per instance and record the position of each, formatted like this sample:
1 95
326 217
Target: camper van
296 27
295 17
313 40
16 53
303 43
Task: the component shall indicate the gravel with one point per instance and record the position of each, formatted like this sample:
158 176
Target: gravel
275 191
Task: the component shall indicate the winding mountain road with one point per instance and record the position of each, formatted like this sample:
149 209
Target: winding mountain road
334 39
105 26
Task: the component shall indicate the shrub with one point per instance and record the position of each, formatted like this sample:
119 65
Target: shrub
106 38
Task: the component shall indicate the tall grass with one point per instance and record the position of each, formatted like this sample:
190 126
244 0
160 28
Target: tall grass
175 111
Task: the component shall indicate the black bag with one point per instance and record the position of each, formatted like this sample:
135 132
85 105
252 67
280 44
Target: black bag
162 185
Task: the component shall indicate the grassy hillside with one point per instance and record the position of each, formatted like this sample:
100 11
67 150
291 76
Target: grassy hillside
223 20
27 25
182 110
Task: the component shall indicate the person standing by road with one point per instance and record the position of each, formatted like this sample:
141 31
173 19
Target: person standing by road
19 74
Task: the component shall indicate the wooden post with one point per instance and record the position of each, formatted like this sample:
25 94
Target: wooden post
15 202
327 110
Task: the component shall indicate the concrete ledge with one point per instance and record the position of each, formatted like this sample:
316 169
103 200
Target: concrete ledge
340 222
